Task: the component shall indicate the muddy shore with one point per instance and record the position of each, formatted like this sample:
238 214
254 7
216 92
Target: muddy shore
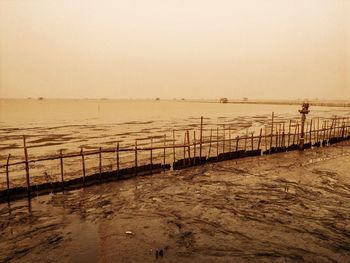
288 207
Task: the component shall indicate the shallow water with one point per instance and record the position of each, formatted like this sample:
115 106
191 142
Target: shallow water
51 125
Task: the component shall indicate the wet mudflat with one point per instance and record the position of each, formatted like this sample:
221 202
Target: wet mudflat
289 207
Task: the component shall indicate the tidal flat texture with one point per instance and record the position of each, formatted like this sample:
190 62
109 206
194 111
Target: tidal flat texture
288 207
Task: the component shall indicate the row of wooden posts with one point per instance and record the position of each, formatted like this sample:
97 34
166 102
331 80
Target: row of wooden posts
338 128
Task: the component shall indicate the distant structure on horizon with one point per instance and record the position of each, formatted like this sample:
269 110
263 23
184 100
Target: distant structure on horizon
223 100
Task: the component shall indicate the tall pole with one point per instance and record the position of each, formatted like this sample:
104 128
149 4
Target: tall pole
304 110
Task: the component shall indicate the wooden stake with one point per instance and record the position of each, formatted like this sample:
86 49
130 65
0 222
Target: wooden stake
271 130
200 140
151 155
223 141
185 140
188 147
290 124
83 162
229 139
217 143
8 177
26 164
100 163
61 162
135 157
117 158
164 152
194 147
237 139
245 140
174 157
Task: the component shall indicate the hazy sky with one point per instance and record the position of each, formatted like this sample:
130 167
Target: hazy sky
174 49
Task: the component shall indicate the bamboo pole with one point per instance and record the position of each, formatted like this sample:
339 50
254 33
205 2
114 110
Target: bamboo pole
210 138
26 164
83 163
61 165
200 140
277 134
217 143
135 157
117 158
194 147
298 132
265 137
188 147
174 156
151 155
8 177
223 141
185 140
164 152
100 163
283 136
271 130
290 124
229 139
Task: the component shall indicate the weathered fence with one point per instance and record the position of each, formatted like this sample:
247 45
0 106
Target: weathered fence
203 146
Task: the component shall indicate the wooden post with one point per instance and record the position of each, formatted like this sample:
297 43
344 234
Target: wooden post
135 157
185 140
194 147
229 139
259 139
237 139
61 162
223 141
151 155
245 140
164 152
188 147
8 177
117 158
298 132
100 163
290 124
200 140
83 162
217 143
26 164
283 136
271 131
265 138
210 138
174 157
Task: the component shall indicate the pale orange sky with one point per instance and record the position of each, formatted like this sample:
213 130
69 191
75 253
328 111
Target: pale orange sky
174 49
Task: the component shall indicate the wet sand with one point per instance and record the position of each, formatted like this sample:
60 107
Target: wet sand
288 207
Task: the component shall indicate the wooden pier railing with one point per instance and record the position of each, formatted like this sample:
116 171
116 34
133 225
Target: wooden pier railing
163 152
